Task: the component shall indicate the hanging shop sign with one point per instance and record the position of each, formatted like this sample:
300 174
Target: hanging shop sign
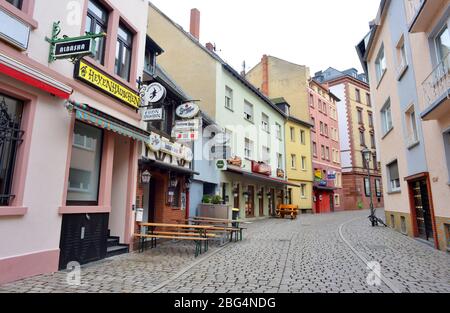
150 115
221 165
193 124
154 143
323 183
318 175
152 94
96 78
235 161
261 168
188 155
331 175
14 31
280 173
185 136
71 47
188 110
172 149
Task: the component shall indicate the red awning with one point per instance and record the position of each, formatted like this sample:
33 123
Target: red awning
33 77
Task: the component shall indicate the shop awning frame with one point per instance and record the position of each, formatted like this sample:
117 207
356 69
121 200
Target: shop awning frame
267 179
85 113
166 166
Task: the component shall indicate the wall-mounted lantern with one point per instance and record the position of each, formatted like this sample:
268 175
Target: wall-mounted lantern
146 176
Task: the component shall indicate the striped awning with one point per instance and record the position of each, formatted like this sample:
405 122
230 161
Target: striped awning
86 114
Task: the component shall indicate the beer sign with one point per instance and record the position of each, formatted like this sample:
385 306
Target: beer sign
188 110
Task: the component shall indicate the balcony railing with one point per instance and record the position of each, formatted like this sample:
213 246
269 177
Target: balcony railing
438 83
413 7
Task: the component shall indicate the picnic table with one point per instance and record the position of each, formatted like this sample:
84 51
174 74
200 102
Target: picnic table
287 209
196 233
220 225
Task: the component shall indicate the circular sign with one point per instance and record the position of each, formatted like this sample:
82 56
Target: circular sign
188 110
187 154
153 93
155 143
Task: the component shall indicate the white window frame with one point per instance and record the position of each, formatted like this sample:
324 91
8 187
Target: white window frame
380 64
293 161
265 122
386 119
249 116
248 149
229 98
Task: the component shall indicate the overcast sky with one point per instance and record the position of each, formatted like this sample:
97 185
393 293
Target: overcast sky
316 33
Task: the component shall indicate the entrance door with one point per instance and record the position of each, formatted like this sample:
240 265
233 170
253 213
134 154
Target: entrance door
152 202
422 210
237 201
251 202
83 238
261 203
332 202
272 202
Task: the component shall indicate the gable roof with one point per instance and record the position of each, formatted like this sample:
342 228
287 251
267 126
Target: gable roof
224 64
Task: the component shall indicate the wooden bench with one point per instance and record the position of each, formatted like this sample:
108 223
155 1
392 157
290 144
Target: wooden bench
221 226
196 233
290 210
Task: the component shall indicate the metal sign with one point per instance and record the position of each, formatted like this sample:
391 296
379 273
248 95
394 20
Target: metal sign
152 94
194 124
172 149
149 115
154 143
188 110
185 136
331 175
221 165
76 47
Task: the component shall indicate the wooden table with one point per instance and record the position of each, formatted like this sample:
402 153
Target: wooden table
201 229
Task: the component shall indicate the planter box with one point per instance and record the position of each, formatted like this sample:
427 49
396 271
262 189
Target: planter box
220 211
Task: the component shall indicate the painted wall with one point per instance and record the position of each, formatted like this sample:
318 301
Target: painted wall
344 135
191 67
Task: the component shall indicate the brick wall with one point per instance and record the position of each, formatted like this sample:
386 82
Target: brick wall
354 192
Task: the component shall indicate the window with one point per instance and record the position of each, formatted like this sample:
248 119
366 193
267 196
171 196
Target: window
124 52
84 174
370 119
401 51
337 200
443 43
326 129
229 98
293 161
378 190
280 161
248 111
10 140
292 129
393 221
315 149
324 108
97 22
304 164
17 3
303 191
311 100
303 137
150 61
265 123
411 125
358 95
338 180
403 225
367 187
278 130
368 100
313 122
394 177
248 150
362 138
372 141
322 128
320 105
360 117
328 153
380 64
323 152
266 155
386 118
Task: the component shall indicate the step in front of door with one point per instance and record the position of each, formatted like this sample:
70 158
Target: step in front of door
117 250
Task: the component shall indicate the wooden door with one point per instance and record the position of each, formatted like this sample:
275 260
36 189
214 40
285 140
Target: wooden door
251 202
422 209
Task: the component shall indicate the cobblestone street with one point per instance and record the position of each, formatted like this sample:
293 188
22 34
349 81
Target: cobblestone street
320 253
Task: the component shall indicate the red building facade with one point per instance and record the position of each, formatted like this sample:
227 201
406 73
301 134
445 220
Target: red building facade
327 189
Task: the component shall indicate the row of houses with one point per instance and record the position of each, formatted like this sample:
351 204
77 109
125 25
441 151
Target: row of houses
406 55
113 114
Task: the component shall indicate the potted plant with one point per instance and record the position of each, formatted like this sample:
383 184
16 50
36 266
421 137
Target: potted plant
212 206
216 200
207 199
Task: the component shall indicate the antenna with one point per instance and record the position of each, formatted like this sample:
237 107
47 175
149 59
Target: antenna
244 69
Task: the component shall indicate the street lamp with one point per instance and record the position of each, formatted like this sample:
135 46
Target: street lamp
367 155
146 177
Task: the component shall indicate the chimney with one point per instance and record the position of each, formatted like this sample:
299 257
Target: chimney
195 23
265 70
210 47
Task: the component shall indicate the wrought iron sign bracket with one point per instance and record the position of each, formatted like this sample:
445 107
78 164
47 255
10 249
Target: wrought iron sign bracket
54 40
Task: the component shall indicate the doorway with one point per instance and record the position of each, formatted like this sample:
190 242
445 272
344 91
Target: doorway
422 209
251 201
261 202
332 202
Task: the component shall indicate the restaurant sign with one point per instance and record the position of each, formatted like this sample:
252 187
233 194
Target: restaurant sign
150 115
261 168
172 149
76 47
188 110
96 78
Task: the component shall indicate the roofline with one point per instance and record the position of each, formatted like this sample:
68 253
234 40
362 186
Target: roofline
299 121
327 89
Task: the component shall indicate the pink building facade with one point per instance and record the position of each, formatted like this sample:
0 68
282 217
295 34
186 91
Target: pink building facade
69 146
327 189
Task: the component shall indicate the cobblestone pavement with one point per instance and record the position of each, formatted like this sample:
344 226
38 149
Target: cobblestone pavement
306 255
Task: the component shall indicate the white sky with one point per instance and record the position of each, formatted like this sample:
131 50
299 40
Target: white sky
316 33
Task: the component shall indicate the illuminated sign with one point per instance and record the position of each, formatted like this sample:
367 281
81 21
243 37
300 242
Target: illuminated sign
94 77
